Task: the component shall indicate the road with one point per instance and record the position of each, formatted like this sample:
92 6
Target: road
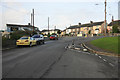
53 60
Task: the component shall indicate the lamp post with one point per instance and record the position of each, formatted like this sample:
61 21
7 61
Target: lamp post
48 26
105 21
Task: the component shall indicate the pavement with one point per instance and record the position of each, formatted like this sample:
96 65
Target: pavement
55 60
13 45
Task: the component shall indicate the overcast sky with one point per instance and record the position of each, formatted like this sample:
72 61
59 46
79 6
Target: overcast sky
62 13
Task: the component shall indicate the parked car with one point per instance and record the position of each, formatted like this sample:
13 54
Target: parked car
39 39
53 37
28 41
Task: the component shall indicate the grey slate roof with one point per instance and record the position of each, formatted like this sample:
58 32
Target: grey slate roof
114 22
86 25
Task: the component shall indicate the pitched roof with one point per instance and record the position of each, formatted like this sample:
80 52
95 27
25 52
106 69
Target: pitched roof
86 25
14 25
73 27
98 23
114 22
45 30
92 24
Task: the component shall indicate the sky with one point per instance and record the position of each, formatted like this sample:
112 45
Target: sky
62 13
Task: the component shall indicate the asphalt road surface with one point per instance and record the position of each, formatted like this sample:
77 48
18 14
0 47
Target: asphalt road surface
53 60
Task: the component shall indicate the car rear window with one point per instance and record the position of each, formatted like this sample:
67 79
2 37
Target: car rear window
23 38
52 35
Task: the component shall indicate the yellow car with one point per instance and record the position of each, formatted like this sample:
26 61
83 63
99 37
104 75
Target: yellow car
28 41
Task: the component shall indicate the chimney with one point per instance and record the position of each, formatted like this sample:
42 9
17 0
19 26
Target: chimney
79 24
112 18
29 24
91 22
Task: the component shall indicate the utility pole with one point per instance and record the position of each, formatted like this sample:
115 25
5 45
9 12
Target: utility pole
33 21
54 29
48 25
105 17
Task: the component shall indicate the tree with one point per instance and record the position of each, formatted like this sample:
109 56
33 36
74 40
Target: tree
54 34
89 32
115 29
17 34
59 32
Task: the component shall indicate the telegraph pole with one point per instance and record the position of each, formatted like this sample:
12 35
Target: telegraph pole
54 29
33 21
48 25
105 17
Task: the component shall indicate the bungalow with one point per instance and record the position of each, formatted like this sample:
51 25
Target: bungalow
16 27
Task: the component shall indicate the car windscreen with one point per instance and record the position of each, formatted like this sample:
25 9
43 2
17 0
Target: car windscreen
36 36
22 38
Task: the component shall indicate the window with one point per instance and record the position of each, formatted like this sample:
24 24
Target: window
14 29
22 38
36 36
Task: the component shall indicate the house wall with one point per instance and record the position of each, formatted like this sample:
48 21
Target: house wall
68 31
100 27
109 28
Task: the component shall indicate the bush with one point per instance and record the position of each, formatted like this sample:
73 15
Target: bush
115 29
53 34
6 42
17 34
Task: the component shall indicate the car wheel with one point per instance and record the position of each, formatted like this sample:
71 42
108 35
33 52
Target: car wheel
30 44
43 42
37 42
18 46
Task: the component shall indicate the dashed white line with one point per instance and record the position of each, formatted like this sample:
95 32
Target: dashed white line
111 64
96 54
104 60
88 53
99 56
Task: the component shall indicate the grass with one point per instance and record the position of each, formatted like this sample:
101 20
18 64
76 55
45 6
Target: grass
109 43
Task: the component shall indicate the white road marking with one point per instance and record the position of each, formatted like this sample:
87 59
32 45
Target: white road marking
99 56
96 54
88 53
104 60
111 64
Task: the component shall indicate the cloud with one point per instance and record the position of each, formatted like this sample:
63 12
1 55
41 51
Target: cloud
12 13
60 0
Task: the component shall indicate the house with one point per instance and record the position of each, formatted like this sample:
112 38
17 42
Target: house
72 30
16 27
92 28
97 28
110 25
45 32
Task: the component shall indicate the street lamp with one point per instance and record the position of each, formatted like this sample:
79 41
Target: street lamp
105 22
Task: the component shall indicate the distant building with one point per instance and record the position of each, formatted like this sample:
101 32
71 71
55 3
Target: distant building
45 32
16 27
93 28
110 25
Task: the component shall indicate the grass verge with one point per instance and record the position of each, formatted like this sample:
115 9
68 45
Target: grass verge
108 43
